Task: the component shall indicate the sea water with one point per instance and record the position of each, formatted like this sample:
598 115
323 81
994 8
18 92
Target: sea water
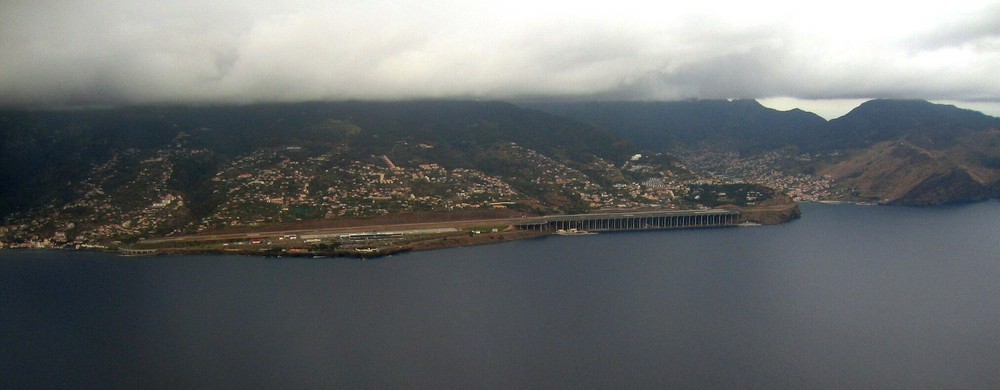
846 297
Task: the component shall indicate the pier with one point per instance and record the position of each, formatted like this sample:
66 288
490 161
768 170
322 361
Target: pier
646 220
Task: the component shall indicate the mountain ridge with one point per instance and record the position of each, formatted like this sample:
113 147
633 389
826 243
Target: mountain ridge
662 123
694 122
884 119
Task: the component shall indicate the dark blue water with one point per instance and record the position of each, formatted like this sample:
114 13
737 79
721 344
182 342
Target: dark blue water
847 297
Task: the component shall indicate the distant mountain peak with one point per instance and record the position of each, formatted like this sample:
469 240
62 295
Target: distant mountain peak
914 107
886 119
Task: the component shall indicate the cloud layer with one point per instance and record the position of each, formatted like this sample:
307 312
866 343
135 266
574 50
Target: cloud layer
114 52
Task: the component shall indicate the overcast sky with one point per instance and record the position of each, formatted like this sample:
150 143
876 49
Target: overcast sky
824 58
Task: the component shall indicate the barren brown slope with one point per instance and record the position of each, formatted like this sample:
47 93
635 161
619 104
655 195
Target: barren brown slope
903 172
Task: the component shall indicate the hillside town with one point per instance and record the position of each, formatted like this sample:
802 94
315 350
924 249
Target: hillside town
775 169
129 197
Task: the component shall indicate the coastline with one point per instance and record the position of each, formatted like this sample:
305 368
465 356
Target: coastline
387 239
456 233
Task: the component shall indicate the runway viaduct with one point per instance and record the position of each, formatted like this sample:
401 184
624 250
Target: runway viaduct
645 220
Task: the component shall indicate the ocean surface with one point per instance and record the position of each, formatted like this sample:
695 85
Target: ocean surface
847 297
